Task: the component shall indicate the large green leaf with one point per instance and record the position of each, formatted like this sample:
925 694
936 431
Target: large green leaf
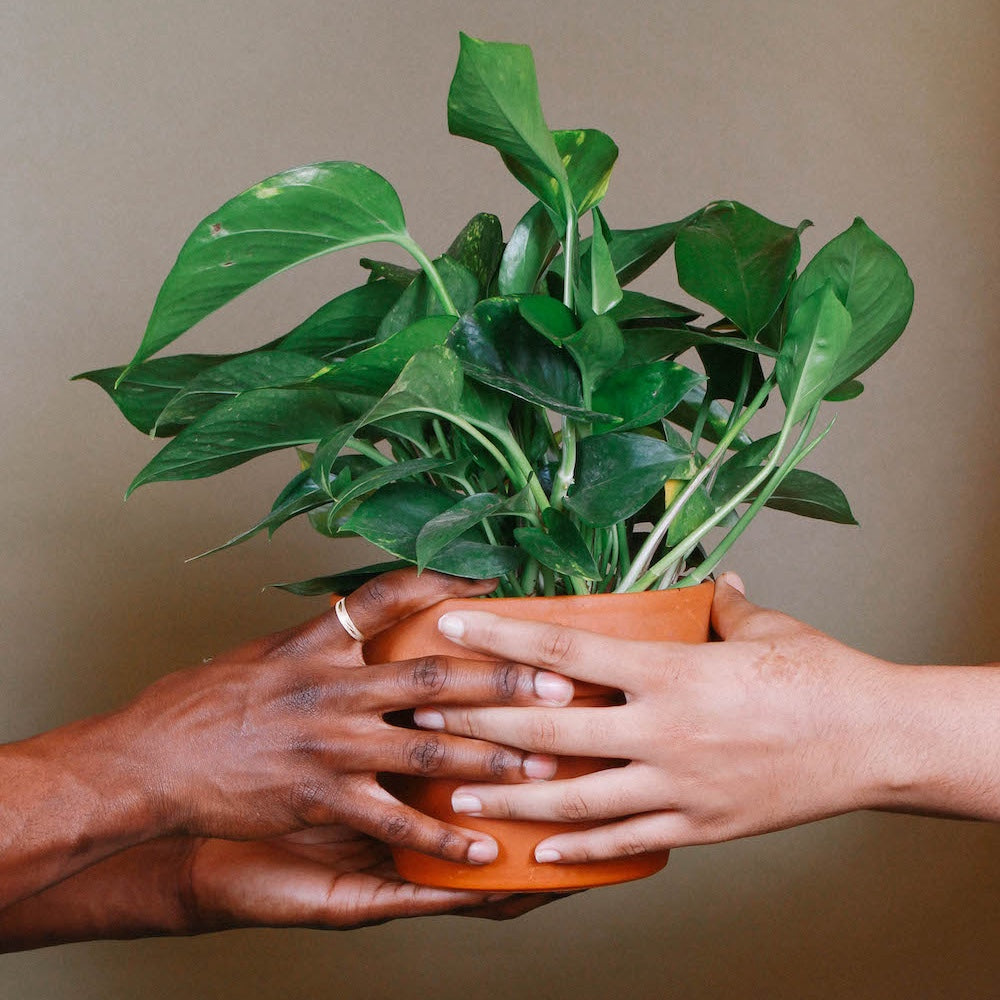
146 389
528 252
726 367
818 332
643 394
636 250
738 262
559 546
494 99
393 517
345 324
280 222
617 474
874 286
635 306
259 370
242 428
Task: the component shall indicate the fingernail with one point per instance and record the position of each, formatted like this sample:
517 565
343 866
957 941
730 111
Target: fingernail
553 688
539 767
463 802
544 855
734 581
452 626
482 852
428 718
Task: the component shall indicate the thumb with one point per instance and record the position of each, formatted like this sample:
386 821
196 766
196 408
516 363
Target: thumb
730 607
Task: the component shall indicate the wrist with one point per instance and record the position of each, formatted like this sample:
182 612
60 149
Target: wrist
938 751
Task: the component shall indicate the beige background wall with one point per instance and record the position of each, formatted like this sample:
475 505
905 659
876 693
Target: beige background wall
124 123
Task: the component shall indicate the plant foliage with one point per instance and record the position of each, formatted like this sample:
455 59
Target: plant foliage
512 409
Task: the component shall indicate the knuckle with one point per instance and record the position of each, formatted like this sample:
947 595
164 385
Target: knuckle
309 802
426 754
448 844
430 674
381 592
630 845
303 696
556 646
509 680
502 762
574 808
395 827
544 735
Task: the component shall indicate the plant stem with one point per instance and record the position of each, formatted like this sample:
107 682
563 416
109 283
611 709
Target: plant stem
645 555
567 465
569 256
427 266
688 544
369 451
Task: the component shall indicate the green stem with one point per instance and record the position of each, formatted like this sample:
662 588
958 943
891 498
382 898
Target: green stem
567 464
441 439
427 266
369 451
569 256
645 555
687 545
713 559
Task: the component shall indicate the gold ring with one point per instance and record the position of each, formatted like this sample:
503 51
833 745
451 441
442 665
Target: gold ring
345 619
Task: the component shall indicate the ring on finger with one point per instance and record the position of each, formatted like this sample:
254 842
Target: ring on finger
344 616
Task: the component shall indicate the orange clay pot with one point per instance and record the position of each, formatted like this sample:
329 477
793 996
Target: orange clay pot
673 615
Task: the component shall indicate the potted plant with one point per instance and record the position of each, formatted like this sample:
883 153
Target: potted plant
510 408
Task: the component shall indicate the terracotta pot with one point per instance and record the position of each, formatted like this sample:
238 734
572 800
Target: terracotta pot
673 615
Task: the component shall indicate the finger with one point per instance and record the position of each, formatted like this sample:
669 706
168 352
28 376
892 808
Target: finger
393 596
370 809
584 655
446 680
374 900
608 794
415 752
583 732
656 831
730 607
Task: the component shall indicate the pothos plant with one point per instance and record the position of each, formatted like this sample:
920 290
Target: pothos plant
510 408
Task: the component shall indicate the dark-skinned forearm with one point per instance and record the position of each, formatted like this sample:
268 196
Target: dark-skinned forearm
70 797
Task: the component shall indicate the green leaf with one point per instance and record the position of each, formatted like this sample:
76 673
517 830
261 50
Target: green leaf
874 286
724 365
596 348
685 414
588 156
420 301
393 517
634 251
605 291
559 546
698 509
548 316
145 390
818 331
637 306
372 371
394 274
284 220
258 370
454 522
478 248
800 492
344 325
528 252
643 394
850 389
494 99
617 474
738 262
242 428
342 583
497 347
